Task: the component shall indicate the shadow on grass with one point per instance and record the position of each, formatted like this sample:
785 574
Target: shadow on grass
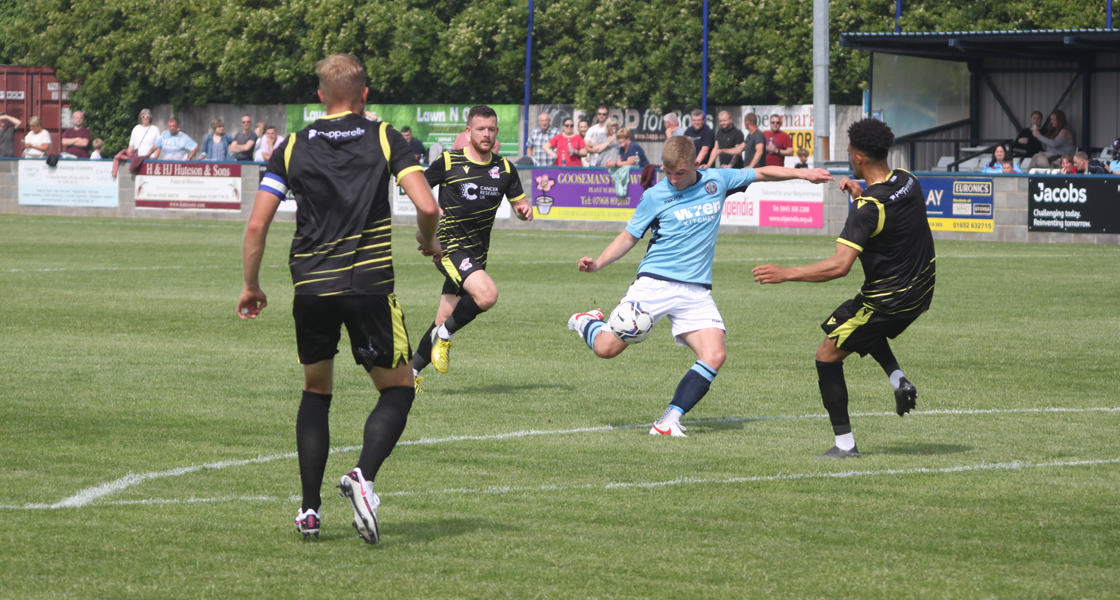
508 389
923 449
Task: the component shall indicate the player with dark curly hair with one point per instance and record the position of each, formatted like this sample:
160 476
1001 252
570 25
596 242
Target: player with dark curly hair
888 230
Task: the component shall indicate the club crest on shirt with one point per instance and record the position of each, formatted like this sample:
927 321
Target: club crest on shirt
466 264
494 172
710 187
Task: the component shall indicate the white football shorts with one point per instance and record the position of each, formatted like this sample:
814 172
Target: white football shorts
689 306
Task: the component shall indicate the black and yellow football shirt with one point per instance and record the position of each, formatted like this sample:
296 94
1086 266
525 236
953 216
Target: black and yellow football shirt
888 225
469 195
338 168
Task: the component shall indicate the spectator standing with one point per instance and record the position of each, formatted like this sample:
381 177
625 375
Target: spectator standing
140 143
569 146
778 143
540 139
632 153
418 150
673 127
266 145
583 127
8 125
1058 141
730 143
609 149
243 143
596 137
216 146
98 145
76 140
756 142
1114 166
37 142
702 137
174 144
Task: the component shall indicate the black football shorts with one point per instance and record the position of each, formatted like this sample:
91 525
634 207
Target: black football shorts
456 266
375 324
857 328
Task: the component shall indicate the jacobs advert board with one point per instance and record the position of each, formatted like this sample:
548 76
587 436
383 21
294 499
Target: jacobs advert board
1074 204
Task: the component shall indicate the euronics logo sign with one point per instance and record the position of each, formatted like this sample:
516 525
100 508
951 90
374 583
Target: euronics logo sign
972 188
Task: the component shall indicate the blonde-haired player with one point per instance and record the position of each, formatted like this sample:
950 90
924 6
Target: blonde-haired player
682 214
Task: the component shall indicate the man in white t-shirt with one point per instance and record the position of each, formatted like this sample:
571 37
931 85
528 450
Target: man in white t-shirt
174 144
597 135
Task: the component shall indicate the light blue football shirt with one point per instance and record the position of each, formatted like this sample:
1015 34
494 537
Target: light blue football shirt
683 225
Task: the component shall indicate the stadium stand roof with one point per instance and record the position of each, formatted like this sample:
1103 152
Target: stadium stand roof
1074 45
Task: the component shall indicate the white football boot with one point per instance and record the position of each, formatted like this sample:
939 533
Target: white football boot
360 493
578 322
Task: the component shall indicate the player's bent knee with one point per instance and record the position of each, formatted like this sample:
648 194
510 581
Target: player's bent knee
828 352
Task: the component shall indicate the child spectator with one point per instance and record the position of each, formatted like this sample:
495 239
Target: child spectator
98 145
803 156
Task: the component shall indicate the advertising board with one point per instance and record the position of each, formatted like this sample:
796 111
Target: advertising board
189 185
582 195
1074 204
82 183
959 203
793 203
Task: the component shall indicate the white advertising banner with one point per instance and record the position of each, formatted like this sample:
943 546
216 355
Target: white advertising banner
794 203
82 183
189 185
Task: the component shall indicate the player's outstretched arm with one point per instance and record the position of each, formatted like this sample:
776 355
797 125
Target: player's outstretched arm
828 269
851 186
614 251
253 299
427 212
783 174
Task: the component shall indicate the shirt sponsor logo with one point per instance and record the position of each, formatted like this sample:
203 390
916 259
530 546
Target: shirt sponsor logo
466 264
698 214
710 187
905 189
494 174
336 135
467 191
1066 194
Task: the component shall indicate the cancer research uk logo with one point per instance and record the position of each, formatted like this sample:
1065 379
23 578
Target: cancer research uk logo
1069 194
467 191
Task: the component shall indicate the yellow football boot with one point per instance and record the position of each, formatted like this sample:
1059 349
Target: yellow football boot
441 353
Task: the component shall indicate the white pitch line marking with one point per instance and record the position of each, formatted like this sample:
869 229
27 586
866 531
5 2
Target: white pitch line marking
1006 466
90 495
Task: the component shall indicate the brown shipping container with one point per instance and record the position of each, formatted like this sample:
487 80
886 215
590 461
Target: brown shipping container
35 91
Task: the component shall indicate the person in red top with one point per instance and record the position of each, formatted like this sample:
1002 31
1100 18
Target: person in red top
778 143
569 146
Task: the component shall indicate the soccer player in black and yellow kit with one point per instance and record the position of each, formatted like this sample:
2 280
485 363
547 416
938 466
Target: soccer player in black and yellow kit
472 183
341 261
888 230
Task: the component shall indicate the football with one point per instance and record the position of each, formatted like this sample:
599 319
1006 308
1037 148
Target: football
630 323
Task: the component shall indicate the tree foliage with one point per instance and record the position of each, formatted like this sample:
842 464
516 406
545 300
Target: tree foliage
132 53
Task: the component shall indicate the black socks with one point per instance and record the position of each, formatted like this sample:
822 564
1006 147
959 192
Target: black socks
313 443
384 427
834 394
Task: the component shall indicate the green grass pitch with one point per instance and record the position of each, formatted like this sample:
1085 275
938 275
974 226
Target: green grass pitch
133 395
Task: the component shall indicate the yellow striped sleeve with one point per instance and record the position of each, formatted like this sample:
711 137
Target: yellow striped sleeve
847 243
408 170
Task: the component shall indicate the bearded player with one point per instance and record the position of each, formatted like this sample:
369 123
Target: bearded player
888 230
472 183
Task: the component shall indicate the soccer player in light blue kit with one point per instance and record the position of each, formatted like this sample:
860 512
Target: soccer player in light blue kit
682 212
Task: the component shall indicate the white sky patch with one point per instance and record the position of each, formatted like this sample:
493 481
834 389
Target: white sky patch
91 495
